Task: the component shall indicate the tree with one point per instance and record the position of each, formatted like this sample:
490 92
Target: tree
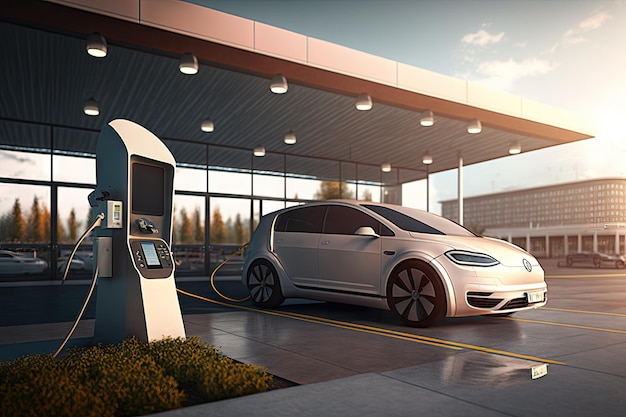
218 228
367 195
198 227
72 226
17 226
35 229
185 231
45 214
60 230
239 235
332 189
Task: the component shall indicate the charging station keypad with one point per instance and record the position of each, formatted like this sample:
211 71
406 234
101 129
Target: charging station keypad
152 258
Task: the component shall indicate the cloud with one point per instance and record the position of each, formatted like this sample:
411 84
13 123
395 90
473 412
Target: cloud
575 35
482 38
12 157
501 74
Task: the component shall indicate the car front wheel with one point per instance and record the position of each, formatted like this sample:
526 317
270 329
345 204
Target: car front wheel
263 284
415 293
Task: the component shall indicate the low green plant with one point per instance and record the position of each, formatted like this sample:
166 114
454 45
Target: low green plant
128 379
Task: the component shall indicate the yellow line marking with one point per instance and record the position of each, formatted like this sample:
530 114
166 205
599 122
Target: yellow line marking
380 331
585 276
575 326
601 313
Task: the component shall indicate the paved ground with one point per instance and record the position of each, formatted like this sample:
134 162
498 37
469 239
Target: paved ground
356 361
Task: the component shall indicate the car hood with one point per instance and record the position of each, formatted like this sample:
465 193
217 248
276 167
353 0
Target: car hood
504 252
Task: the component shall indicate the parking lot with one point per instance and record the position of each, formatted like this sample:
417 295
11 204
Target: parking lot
352 358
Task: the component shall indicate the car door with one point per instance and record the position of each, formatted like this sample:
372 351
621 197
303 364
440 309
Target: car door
296 237
8 264
350 262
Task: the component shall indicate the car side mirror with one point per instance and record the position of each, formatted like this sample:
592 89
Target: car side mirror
366 231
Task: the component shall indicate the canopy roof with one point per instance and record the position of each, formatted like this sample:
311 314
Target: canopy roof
46 77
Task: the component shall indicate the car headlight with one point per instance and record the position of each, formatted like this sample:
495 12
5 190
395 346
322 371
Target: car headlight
471 258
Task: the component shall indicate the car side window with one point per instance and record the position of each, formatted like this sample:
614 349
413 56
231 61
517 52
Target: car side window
342 220
302 220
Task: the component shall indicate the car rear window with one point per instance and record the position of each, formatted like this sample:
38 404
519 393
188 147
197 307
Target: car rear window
438 225
301 220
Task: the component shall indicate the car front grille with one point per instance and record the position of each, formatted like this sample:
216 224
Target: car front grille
481 299
515 303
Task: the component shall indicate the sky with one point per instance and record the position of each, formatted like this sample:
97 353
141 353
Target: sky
568 54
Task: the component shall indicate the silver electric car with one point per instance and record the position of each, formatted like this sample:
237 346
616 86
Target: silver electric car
419 265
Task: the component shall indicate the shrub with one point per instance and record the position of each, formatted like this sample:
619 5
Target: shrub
128 379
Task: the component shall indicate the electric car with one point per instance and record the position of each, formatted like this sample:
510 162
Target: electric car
419 265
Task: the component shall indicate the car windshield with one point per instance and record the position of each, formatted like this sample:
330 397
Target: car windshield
413 220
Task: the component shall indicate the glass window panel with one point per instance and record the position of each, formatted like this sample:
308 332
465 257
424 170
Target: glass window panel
74 214
25 165
227 182
190 179
369 192
230 221
74 217
349 177
188 233
270 206
74 169
189 219
24 214
229 230
301 188
269 185
302 220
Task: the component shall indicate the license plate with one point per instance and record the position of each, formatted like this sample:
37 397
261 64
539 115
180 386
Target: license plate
538 371
535 296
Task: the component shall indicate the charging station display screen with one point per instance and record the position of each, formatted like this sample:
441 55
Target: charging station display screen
148 189
150 255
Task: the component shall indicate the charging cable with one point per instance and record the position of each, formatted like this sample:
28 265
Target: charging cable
95 224
224 262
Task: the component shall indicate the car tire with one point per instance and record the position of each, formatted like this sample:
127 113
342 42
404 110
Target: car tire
619 265
264 285
415 293
597 263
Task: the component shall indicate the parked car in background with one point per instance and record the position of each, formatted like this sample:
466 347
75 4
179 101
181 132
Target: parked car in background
597 259
17 263
82 261
419 265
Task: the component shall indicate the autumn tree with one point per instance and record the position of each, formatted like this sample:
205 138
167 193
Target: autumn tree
367 195
72 226
198 227
34 228
17 226
218 228
332 189
185 230
47 228
239 231
60 230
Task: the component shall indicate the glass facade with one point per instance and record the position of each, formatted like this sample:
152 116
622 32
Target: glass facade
44 207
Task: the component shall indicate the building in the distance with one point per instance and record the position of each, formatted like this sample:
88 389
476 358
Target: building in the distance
552 221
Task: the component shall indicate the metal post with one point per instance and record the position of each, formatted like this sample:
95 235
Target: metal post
460 189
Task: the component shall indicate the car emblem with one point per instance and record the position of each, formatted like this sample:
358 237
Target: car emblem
527 265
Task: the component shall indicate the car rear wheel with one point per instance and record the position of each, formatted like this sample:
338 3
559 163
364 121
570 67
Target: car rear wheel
597 263
263 284
415 293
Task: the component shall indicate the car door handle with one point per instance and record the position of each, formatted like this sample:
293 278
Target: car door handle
324 242
389 252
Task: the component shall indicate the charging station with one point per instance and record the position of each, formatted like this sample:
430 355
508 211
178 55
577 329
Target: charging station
135 187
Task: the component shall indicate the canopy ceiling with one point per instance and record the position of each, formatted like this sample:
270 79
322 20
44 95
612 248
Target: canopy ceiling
46 77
